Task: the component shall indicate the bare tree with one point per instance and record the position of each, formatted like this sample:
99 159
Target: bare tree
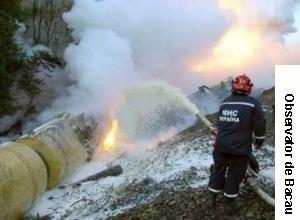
47 20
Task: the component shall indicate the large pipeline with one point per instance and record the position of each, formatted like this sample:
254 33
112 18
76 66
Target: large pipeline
255 187
41 160
23 178
60 146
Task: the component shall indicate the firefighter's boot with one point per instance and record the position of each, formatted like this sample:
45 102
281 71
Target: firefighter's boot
211 201
230 207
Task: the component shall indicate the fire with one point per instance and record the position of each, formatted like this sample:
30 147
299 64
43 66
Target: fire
236 48
111 141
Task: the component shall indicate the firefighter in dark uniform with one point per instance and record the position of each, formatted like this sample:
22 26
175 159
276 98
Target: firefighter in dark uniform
240 115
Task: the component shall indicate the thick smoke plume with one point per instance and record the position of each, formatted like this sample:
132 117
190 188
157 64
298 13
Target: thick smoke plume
121 42
187 43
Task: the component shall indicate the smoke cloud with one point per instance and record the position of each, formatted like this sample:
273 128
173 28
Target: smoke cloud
262 26
119 43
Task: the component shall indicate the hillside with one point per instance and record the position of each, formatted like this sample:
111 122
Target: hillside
172 174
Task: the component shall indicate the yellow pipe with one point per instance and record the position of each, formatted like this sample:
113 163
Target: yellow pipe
54 162
23 178
59 146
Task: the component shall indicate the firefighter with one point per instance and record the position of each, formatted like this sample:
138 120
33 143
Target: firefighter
240 115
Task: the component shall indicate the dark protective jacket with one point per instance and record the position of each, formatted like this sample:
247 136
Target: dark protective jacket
239 116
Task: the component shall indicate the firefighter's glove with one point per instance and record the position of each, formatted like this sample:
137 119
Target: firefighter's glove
214 132
258 143
213 135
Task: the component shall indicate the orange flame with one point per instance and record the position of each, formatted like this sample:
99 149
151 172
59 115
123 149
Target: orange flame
111 141
236 48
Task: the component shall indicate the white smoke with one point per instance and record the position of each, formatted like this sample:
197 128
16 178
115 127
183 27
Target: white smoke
119 43
277 16
161 34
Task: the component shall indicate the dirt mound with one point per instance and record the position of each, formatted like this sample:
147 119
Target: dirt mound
268 97
190 204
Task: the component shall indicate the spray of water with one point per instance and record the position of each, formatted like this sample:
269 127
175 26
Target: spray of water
152 107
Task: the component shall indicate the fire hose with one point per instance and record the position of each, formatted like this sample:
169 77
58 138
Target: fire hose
253 184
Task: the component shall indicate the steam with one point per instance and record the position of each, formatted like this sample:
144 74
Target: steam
121 43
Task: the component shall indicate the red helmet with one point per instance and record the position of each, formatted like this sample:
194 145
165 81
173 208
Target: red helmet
242 83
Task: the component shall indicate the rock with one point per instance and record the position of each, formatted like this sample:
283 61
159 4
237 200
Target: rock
111 171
